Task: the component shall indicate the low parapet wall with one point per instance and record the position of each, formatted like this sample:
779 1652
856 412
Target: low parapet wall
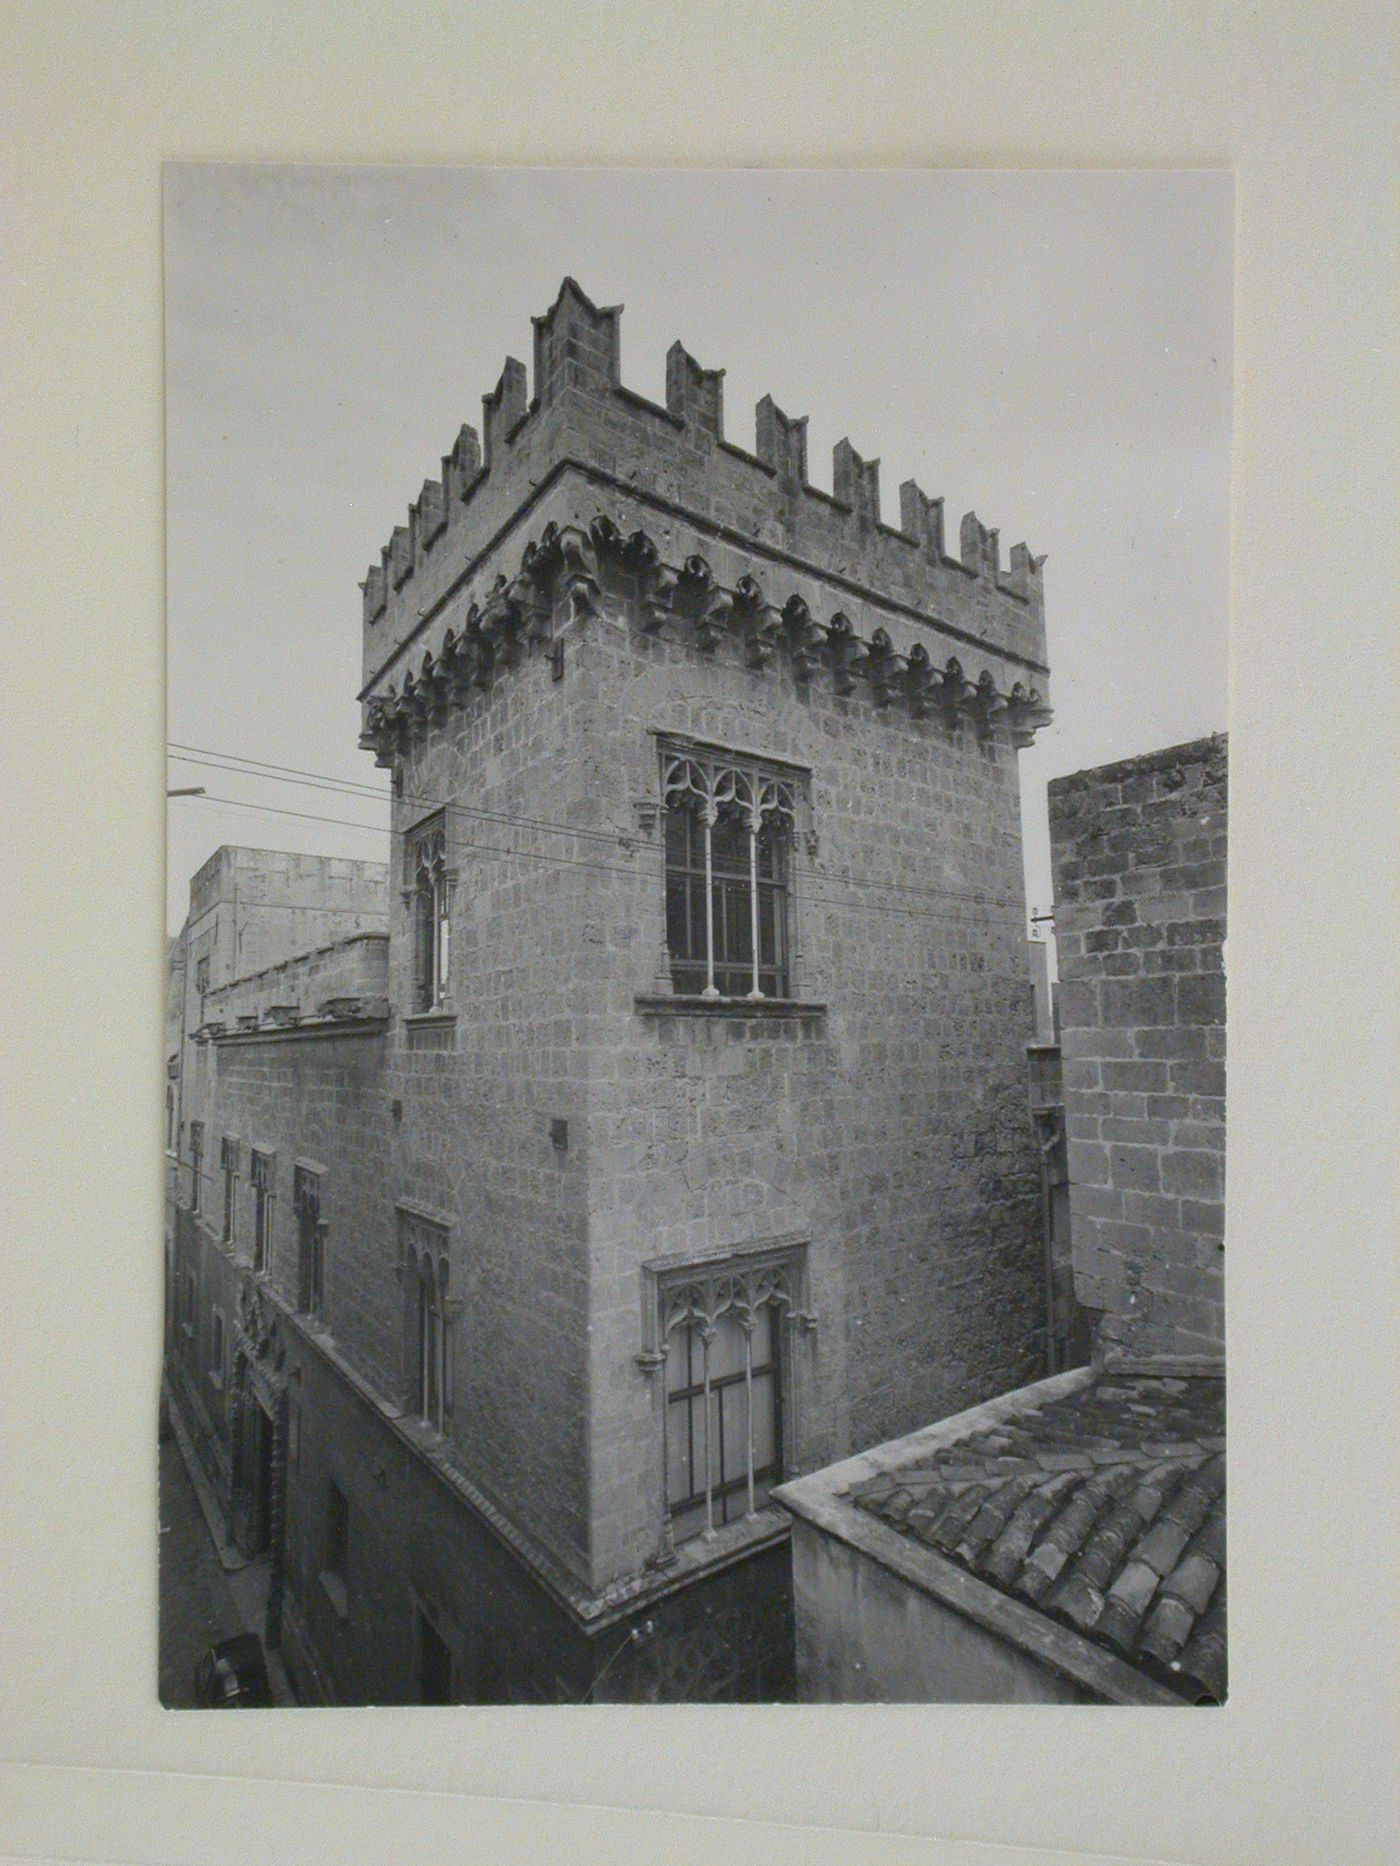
350 974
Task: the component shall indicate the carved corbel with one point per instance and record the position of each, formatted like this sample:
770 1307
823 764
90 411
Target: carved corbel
711 608
843 652
380 734
579 568
760 621
606 538
955 692
656 582
414 703
1026 713
883 667
506 623
919 679
803 638
987 705
531 590
434 686
463 664
477 651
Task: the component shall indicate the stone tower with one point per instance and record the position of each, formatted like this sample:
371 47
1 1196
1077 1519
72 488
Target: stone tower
707 958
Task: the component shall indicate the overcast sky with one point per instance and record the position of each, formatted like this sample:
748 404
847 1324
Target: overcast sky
1049 348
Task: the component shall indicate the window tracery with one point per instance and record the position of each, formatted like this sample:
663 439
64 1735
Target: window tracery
428 1313
723 1350
428 883
730 827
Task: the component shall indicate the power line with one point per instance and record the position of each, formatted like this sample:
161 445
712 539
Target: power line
613 868
348 786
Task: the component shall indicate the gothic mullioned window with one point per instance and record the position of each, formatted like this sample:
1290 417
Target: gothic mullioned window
228 1162
311 1239
730 824
196 1165
424 1268
260 1176
427 887
722 1329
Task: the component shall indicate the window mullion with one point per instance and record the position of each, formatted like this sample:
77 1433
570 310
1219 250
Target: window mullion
748 1322
705 1336
708 816
754 822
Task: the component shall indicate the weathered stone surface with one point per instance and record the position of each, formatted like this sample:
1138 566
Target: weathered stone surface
1144 1092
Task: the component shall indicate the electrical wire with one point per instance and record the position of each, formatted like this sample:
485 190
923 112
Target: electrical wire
351 787
812 895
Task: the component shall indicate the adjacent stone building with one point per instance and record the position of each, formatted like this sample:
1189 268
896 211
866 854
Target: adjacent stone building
253 912
1066 1542
1139 860
688 1145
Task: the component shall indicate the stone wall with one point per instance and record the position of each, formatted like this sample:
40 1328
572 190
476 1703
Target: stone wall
1139 853
1070 1322
890 1134
254 908
478 1088
351 971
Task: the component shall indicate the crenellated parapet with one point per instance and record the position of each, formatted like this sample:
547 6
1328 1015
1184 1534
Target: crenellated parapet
571 574
675 458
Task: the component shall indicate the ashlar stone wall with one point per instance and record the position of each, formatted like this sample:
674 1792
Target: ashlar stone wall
1139 852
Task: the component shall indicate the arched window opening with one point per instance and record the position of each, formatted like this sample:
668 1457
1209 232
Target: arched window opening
428 890
424 1267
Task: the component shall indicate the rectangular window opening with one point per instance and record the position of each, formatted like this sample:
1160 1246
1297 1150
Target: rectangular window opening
260 1175
337 1532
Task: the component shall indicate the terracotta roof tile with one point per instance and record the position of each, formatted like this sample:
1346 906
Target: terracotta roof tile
1104 1509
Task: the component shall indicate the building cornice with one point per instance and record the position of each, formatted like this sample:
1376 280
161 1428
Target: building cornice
684 600
707 527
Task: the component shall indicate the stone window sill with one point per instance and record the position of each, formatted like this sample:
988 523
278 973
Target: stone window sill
699 1552
680 1004
418 1020
334 1589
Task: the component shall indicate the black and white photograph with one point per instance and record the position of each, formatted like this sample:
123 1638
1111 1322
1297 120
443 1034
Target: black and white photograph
695 1081
699 872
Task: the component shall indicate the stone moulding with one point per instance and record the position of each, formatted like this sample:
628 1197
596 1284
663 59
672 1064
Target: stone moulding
566 567
779 1010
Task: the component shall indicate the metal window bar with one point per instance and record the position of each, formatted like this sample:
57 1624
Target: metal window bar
697 1424
726 904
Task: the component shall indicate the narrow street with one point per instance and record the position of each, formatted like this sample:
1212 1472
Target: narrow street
200 1601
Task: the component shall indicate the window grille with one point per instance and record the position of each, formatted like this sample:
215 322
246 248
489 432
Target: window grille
730 825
